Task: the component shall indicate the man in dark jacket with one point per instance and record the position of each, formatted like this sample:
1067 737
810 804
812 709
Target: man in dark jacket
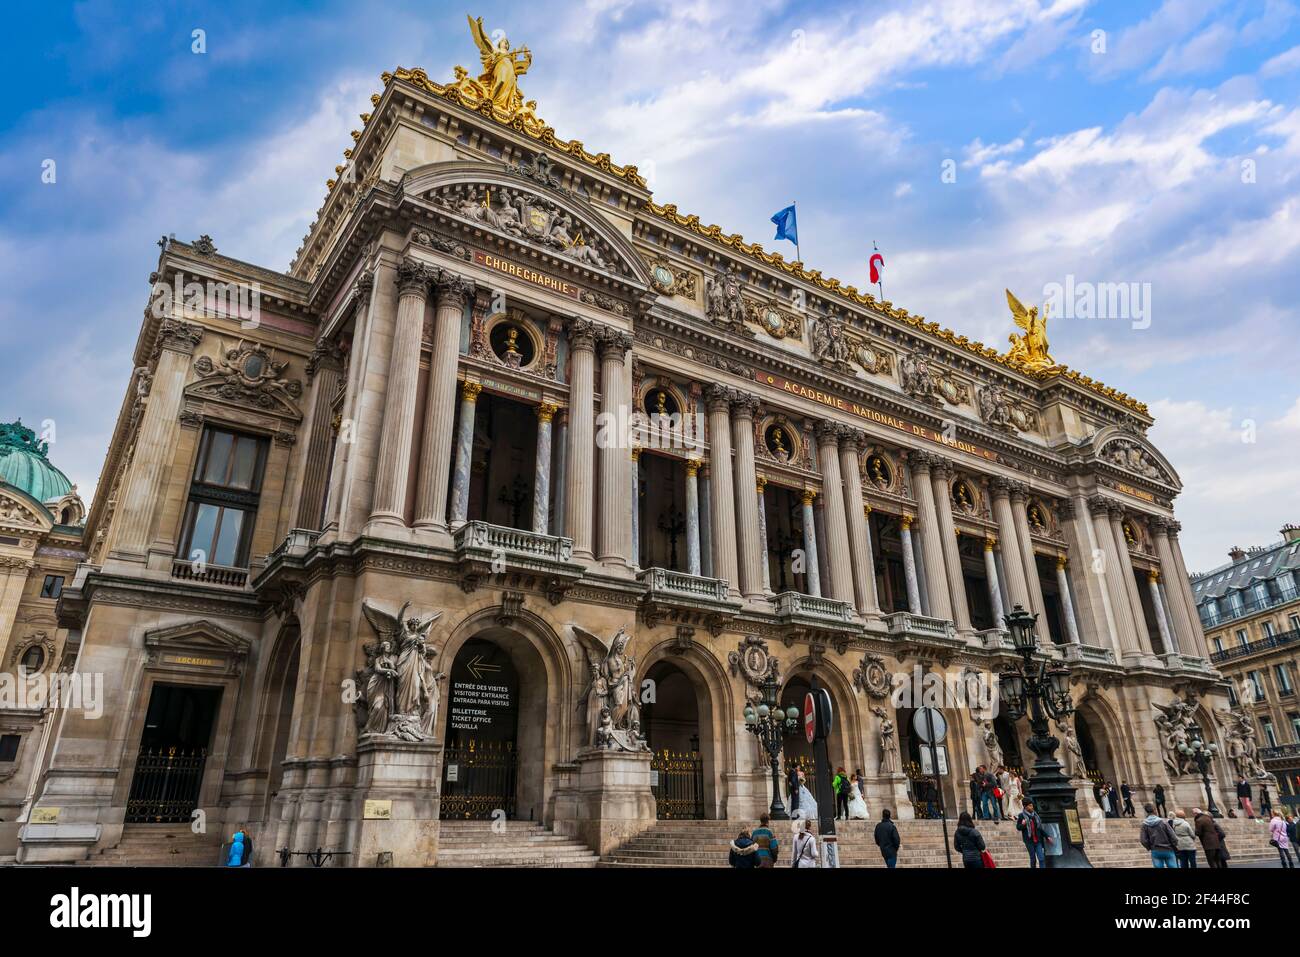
744 852
792 787
1243 798
975 794
1158 837
1211 838
1030 826
1159 794
1126 793
887 839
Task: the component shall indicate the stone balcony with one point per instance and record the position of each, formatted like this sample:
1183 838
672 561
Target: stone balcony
685 599
523 557
207 574
1179 662
818 620
920 634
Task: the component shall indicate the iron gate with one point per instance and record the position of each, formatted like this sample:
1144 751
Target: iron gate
165 787
478 779
679 793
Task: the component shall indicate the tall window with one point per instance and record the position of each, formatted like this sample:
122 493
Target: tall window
1269 734
1295 726
1257 684
1295 622
1242 639
1268 628
223 498
1283 676
52 587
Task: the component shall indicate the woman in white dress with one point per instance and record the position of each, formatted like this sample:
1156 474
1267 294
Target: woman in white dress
857 806
1014 792
807 803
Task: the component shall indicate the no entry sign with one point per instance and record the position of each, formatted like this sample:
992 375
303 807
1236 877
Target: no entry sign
809 716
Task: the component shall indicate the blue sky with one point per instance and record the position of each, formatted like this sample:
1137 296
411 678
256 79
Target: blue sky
1162 150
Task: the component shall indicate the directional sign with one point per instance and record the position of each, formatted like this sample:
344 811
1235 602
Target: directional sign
478 667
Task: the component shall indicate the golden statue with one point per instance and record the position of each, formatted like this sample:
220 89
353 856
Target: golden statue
1030 349
499 82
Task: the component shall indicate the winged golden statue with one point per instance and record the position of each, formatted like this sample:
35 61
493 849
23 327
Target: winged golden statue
502 67
1029 350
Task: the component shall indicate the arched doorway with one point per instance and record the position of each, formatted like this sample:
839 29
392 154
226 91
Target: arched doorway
1009 742
923 785
278 698
799 753
1094 744
482 743
670 719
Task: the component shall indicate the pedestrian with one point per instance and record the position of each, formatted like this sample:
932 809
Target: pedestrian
248 847
887 839
1004 787
1030 826
769 848
236 852
1281 840
1103 800
989 809
1158 838
968 842
805 847
744 852
1243 797
1265 802
1293 833
792 787
975 794
1159 795
1211 837
1126 793
1185 836
840 785
1115 809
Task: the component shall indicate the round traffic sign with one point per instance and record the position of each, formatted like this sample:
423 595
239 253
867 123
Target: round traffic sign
809 716
926 721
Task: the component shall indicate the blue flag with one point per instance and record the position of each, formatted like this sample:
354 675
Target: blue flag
786 226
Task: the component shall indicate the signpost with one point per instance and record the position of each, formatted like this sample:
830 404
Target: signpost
931 729
819 718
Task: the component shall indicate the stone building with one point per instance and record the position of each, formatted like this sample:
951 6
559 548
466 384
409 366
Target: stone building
40 547
515 461
1250 609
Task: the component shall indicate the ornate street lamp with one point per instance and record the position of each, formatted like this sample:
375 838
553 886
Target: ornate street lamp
1203 754
1043 693
770 725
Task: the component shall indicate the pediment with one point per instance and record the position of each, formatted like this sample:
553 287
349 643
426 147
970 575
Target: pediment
1128 453
248 375
200 636
18 510
528 204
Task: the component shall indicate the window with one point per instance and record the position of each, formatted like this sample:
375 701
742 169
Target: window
1268 628
1242 638
1258 685
1218 644
52 587
1269 734
1283 677
9 748
1232 693
223 498
1295 726
1295 622
32 661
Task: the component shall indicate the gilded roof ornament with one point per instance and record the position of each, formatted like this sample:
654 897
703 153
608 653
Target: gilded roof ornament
1030 349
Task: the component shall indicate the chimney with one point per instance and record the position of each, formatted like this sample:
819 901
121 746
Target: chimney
1235 553
1291 533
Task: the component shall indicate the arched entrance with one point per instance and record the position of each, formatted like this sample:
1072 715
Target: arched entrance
1094 743
483 774
670 719
1009 742
922 782
799 753
277 712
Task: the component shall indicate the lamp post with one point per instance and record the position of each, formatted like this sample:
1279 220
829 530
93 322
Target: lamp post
770 725
1043 693
1203 754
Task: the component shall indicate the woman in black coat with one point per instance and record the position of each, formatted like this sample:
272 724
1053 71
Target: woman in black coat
968 842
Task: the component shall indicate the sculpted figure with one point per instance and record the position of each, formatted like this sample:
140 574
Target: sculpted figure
612 688
399 689
1075 766
888 742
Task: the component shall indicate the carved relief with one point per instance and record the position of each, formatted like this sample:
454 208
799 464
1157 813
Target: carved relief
671 281
752 661
771 318
724 304
248 374
1130 456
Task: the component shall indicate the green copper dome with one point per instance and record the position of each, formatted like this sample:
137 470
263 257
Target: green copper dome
23 463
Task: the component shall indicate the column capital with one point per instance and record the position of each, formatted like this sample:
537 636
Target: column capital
743 405
1065 508
1153 576
413 278
906 520
1061 562
177 336
807 496
545 412
1159 524
990 543
828 433
613 343
453 289
718 397
582 333
363 286
760 483
324 355
1172 528
636 453
692 467
866 509
470 390
941 468
849 436
1001 486
1098 504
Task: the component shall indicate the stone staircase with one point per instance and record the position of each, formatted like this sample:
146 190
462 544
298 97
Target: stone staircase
160 845
1113 843
509 844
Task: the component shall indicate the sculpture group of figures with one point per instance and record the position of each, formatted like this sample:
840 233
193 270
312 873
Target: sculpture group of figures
1241 747
829 344
724 302
917 378
1132 457
397 690
611 701
1242 744
525 216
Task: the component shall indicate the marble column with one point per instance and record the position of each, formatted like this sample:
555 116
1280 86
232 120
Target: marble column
706 522
469 393
542 484
636 506
559 476
1182 586
909 564
580 477
452 293
722 498
936 584
1113 571
819 528
693 565
839 562
995 592
155 439
761 485
392 470
1019 511
1186 622
864 575
325 373
1130 579
941 480
1158 603
1093 610
743 409
614 533
811 574
1067 600
1012 556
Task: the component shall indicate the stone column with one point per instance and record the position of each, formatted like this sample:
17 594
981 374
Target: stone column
1012 556
743 408
157 436
941 478
811 574
560 475
614 533
1129 646
1019 510
636 506
1158 602
931 534
722 497
1093 611
693 517
1186 619
995 592
582 423
706 522
761 485
542 485
393 466
909 564
325 373
839 562
864 572
1130 579
469 394
451 295
1067 600
819 529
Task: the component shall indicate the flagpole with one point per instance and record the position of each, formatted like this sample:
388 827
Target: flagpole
797 254
880 286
